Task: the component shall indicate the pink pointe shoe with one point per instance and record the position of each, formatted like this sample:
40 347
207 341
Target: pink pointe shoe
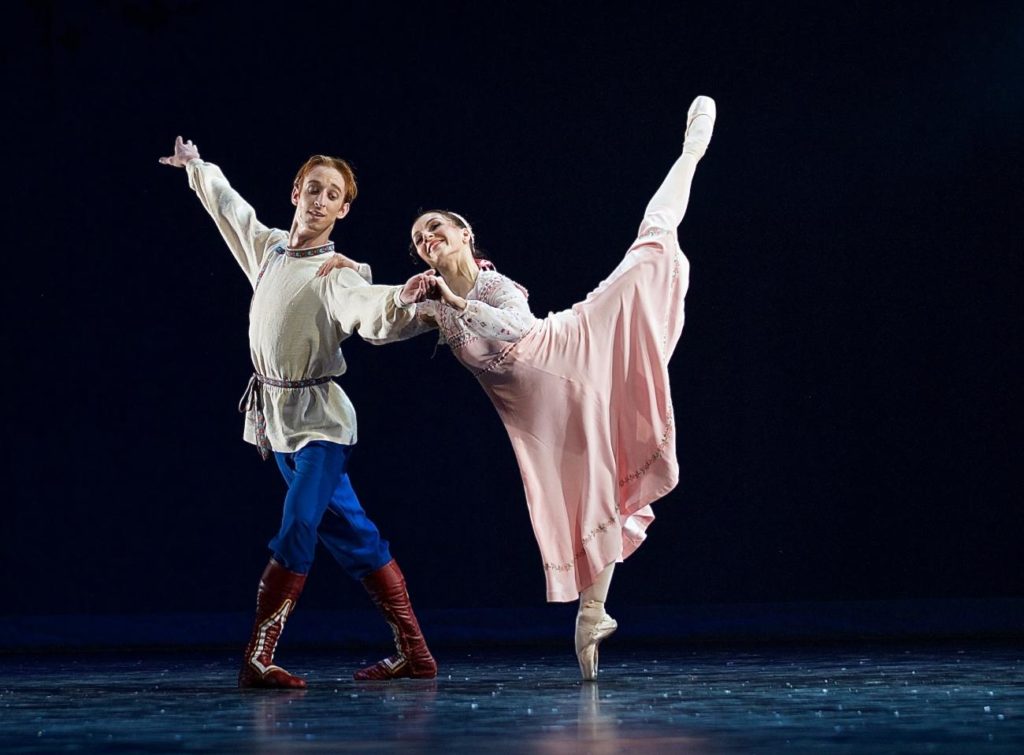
592 626
700 122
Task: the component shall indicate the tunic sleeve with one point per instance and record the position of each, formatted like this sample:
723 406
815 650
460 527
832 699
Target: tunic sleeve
424 320
501 313
248 239
373 312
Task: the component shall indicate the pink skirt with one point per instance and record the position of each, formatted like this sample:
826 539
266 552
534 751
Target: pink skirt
586 401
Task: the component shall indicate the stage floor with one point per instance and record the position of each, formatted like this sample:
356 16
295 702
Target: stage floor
872 699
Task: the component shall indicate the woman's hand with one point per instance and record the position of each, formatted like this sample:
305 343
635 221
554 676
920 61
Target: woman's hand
183 152
335 262
448 296
416 288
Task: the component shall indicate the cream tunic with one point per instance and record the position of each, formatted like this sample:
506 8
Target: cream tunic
297 320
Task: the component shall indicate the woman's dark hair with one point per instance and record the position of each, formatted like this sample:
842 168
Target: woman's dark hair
478 253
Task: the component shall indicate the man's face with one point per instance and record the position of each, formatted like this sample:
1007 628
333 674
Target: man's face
320 200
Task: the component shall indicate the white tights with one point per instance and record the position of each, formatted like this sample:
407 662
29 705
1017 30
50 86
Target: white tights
597 592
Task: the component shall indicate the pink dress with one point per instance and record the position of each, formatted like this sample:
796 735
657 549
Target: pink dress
584 395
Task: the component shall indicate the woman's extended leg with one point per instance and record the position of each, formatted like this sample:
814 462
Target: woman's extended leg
668 205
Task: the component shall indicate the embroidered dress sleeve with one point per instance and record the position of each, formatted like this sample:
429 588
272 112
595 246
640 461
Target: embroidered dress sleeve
372 311
665 210
248 239
501 313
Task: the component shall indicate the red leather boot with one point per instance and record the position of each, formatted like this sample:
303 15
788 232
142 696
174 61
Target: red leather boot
412 659
278 593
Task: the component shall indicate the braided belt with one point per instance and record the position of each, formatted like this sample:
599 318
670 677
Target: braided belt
252 401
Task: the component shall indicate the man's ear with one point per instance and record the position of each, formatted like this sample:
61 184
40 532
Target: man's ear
295 195
343 211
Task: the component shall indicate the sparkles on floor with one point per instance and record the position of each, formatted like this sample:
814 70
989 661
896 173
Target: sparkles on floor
700 700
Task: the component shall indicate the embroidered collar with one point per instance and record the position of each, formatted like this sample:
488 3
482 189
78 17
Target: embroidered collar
312 252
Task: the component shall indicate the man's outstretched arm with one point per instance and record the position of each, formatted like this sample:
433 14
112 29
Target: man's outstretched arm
248 239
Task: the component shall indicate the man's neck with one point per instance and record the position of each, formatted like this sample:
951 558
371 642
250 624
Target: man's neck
303 238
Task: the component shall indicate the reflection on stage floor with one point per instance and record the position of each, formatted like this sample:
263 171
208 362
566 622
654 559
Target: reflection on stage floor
879 699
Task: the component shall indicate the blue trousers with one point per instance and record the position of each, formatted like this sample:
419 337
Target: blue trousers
321 504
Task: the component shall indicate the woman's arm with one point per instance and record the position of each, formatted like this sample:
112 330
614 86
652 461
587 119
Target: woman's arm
500 314
338 260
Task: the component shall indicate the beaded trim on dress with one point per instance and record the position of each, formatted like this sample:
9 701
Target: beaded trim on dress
598 530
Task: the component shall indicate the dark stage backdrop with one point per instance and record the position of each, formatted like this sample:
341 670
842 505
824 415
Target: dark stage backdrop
848 382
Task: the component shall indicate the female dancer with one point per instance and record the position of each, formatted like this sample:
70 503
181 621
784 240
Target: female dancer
584 393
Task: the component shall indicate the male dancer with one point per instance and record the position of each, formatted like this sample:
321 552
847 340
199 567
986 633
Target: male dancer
296 411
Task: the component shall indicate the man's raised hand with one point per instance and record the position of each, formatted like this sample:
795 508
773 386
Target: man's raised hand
183 152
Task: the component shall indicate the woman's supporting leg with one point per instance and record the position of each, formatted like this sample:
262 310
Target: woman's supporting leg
592 623
599 590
